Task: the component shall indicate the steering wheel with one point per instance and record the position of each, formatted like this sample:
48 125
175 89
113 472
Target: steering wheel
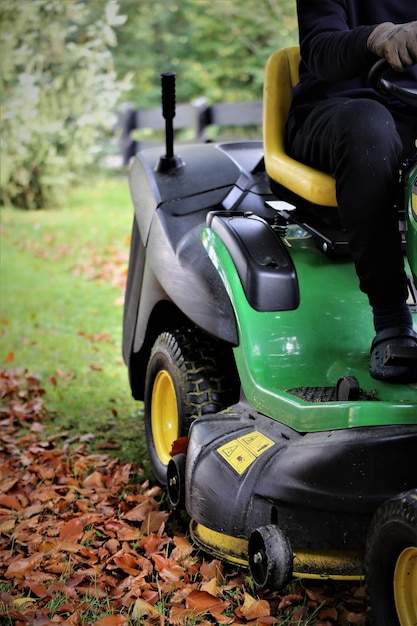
387 88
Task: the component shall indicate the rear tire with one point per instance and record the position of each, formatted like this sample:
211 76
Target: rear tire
186 377
391 562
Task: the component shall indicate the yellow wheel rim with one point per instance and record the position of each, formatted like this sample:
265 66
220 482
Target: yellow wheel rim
405 586
164 415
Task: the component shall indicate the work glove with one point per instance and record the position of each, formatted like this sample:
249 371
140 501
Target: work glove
397 43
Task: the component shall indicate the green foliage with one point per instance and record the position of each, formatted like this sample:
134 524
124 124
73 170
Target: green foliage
58 94
218 48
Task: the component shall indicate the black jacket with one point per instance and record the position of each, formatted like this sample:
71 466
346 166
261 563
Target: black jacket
335 60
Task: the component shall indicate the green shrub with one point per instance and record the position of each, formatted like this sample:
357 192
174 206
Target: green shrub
58 91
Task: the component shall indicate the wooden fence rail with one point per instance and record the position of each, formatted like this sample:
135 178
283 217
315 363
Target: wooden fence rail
193 118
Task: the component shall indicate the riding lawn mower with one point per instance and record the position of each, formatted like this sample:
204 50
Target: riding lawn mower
247 339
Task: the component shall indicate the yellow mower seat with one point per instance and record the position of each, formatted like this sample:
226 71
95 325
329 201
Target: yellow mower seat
281 74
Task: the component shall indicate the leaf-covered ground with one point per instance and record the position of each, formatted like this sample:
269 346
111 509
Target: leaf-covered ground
84 539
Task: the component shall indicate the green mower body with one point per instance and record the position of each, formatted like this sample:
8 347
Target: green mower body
247 338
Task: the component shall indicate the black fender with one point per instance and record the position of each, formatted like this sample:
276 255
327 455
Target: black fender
167 259
170 276
168 288
133 290
186 277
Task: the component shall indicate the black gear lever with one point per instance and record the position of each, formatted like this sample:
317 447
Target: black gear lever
169 161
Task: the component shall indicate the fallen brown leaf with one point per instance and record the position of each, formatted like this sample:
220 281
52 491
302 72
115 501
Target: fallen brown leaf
72 531
201 601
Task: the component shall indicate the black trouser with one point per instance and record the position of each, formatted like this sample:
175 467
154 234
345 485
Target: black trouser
362 145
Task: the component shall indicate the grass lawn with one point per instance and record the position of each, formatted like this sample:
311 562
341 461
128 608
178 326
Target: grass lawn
62 276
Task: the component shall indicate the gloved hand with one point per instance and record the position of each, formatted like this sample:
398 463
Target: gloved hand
397 43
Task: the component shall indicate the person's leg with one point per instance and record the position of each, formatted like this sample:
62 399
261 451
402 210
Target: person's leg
357 141
407 129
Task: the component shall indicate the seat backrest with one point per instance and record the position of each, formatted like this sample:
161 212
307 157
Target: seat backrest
281 74
280 77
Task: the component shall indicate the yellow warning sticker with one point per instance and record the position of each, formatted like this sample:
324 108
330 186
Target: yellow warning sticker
242 452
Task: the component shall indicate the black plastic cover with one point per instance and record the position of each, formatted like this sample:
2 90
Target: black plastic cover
320 488
263 263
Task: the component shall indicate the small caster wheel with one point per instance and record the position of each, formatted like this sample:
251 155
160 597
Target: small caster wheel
270 557
176 481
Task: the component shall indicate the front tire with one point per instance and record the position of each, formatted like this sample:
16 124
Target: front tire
186 377
391 562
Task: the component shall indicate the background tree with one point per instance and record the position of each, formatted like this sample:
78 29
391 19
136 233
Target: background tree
58 93
218 48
